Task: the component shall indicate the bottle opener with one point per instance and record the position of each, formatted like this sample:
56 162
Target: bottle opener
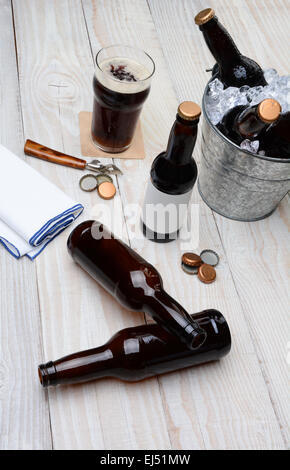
34 149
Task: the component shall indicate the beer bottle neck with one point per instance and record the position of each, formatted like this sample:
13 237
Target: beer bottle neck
249 124
168 312
79 367
181 141
220 43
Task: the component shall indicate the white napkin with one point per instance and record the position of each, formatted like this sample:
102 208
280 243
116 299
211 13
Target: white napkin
33 211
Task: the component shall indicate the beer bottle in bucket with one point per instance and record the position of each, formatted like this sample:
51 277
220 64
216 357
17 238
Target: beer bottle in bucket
235 69
244 122
173 175
275 141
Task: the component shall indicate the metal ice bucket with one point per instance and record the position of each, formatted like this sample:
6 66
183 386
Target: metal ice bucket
236 183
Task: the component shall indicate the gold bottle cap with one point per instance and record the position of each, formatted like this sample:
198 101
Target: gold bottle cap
206 273
189 110
191 259
269 110
106 190
204 16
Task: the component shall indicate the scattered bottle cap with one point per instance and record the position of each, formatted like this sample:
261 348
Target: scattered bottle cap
102 177
206 273
191 259
189 269
106 190
102 182
209 257
88 183
203 265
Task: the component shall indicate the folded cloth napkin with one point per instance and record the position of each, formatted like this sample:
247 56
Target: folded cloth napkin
33 211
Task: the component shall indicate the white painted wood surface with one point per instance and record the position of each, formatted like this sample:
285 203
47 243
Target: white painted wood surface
50 305
24 413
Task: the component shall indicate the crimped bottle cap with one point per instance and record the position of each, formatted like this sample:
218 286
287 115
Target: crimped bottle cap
106 190
269 110
88 183
204 16
189 110
191 259
206 273
209 257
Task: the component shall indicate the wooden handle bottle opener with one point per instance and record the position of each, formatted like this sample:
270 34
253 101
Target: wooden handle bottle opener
33 149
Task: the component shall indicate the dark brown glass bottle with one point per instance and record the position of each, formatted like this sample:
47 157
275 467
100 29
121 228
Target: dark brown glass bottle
137 353
244 122
235 69
275 141
172 177
134 282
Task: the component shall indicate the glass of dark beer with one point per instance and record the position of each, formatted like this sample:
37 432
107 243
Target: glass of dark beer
121 85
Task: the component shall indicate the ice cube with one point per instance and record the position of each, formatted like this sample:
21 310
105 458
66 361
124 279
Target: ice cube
244 88
229 97
215 87
270 75
219 100
215 116
254 92
283 82
250 145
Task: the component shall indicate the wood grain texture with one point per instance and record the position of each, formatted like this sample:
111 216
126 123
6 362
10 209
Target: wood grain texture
238 403
56 69
24 417
257 253
217 406
34 149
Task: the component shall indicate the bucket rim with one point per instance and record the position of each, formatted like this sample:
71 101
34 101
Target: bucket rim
246 152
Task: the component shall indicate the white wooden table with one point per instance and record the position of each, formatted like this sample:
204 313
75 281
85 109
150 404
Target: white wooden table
50 308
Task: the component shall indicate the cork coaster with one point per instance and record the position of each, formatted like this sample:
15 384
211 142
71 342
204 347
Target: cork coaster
135 151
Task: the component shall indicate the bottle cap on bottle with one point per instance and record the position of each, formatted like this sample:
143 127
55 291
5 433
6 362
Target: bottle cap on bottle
204 16
269 110
189 110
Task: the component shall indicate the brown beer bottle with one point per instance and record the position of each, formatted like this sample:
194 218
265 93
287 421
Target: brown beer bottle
137 353
172 177
134 282
235 69
275 141
244 122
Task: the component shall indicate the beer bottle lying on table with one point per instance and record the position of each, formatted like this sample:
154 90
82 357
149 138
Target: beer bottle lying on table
137 353
243 122
134 282
172 177
235 69
275 141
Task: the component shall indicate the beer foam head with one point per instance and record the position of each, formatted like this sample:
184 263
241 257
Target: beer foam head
123 75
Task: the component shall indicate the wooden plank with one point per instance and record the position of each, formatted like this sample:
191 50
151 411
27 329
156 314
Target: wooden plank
56 70
257 253
224 405
24 414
